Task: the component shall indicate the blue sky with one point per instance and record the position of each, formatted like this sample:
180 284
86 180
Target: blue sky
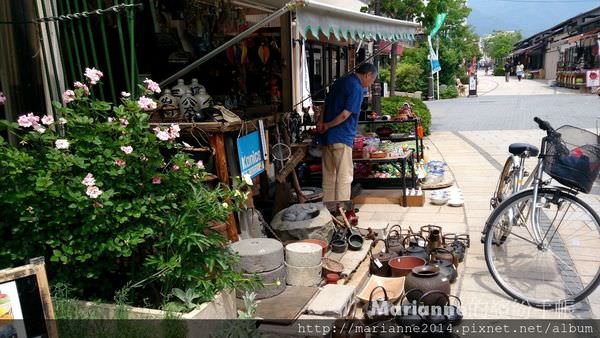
528 16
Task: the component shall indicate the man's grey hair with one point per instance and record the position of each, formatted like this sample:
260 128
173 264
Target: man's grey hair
367 68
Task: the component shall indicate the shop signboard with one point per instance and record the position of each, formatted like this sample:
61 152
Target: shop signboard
473 85
592 78
250 154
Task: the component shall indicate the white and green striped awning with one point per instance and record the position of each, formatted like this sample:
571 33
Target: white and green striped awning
318 17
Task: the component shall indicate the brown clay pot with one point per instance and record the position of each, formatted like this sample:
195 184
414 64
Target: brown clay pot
402 266
426 230
427 278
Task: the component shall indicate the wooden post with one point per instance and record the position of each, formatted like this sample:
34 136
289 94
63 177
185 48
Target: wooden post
217 141
42 281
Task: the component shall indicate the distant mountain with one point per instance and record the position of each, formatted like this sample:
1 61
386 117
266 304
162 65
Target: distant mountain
529 17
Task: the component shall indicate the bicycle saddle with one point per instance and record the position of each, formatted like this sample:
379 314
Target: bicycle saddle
519 148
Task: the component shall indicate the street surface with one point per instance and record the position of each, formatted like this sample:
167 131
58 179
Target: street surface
472 136
512 106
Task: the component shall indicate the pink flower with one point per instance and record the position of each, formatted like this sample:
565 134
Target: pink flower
163 136
175 167
152 86
93 191
2 98
47 120
156 180
28 120
61 144
200 164
174 131
125 94
68 96
39 128
93 75
127 149
62 120
110 119
83 86
120 163
89 180
146 103
124 122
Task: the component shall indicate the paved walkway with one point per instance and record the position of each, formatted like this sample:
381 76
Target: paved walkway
475 148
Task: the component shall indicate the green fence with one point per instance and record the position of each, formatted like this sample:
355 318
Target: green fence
77 34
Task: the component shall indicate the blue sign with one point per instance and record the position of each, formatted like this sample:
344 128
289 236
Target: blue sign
250 154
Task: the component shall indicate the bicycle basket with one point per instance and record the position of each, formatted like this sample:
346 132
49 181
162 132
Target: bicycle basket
573 159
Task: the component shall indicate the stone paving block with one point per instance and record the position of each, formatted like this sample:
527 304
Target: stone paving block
332 300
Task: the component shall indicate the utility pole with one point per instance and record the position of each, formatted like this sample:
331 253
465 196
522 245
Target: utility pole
376 88
437 52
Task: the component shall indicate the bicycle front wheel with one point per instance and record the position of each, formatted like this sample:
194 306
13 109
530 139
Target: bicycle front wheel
561 269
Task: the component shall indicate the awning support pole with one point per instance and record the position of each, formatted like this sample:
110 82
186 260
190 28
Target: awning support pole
288 7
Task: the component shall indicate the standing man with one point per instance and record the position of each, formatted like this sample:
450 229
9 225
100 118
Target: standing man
506 70
338 124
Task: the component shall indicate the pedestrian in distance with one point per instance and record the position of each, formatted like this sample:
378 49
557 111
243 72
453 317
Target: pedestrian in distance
520 70
506 70
337 126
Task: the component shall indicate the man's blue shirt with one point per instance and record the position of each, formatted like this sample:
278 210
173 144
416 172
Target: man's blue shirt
346 94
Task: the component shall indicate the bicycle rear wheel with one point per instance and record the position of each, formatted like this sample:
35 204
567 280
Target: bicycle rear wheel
565 268
505 183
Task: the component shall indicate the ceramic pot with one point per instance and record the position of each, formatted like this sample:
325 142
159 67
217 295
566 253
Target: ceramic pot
332 278
394 240
444 255
338 246
355 242
380 262
204 99
402 266
195 87
427 278
446 269
179 89
167 99
188 105
412 248
458 249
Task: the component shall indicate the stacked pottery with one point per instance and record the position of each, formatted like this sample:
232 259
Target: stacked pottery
189 105
262 257
179 89
169 104
303 263
205 100
195 87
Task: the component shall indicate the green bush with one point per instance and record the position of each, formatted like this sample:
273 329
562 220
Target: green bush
449 92
384 75
408 77
391 105
92 192
499 70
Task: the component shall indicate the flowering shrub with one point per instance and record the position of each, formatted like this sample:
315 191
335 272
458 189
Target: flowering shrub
91 191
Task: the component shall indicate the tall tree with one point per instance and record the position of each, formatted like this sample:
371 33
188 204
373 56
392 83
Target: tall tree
499 44
408 10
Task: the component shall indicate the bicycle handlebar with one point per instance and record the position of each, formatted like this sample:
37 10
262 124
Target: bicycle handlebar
544 125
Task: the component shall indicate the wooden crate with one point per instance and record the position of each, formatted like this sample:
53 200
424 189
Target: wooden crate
415 201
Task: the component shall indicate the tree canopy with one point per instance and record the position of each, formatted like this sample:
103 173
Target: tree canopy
499 45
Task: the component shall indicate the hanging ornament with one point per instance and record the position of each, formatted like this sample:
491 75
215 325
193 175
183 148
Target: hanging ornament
264 53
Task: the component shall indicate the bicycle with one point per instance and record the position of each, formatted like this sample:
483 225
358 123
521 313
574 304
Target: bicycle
547 255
